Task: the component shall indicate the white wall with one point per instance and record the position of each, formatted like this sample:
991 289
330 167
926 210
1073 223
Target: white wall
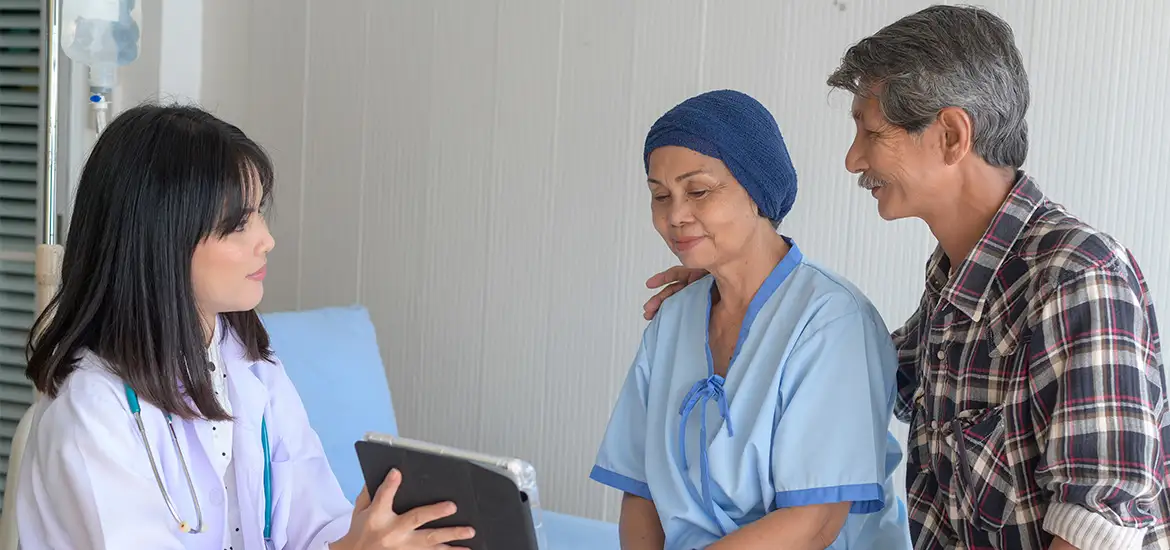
471 172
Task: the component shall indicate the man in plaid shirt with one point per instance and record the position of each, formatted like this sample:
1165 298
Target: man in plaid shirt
1031 373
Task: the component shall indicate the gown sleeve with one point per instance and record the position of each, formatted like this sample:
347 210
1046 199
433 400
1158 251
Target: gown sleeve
621 460
836 400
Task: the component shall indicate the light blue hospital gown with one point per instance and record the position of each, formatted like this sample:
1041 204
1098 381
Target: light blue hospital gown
801 419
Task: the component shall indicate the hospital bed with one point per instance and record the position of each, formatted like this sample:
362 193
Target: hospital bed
332 357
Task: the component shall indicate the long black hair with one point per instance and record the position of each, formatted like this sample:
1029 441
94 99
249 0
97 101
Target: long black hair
160 180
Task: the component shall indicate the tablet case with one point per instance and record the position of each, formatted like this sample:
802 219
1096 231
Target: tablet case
486 499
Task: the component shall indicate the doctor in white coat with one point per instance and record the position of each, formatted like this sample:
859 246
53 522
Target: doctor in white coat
167 422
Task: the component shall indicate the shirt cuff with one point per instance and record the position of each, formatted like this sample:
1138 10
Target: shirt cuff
1090 531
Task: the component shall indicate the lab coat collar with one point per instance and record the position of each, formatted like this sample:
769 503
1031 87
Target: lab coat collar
249 394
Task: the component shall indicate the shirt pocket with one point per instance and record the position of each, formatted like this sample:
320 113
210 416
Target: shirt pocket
1006 330
983 482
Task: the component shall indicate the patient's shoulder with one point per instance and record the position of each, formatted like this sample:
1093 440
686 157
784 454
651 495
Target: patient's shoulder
692 299
826 297
691 295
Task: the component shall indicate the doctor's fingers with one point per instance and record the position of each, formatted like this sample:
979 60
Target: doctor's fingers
437 538
423 515
363 500
384 497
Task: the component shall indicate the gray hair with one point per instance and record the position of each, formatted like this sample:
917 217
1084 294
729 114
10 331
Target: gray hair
946 56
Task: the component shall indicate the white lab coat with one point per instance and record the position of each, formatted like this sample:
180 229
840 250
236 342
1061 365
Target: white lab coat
86 483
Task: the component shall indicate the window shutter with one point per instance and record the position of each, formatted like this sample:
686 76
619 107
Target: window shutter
20 130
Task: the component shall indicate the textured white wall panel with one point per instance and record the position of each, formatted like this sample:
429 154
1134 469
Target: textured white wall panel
471 172
514 361
337 85
276 102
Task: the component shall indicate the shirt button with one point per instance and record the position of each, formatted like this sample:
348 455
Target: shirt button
942 354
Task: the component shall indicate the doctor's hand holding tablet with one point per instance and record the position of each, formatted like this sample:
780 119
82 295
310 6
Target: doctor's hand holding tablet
376 526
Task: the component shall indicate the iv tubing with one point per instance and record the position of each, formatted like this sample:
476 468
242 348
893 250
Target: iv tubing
100 106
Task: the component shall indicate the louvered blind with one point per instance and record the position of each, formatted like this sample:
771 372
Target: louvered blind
20 97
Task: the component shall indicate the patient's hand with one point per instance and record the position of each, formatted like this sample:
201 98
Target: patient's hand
675 279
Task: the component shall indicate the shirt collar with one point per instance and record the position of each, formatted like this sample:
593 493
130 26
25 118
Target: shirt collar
967 289
213 351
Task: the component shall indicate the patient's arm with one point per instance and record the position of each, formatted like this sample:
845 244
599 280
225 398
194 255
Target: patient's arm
812 527
639 527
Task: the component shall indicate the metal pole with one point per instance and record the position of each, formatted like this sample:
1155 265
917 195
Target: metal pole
49 251
53 18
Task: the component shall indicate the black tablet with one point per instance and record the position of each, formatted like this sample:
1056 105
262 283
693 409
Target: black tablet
495 495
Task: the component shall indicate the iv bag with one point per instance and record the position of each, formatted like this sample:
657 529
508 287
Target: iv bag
101 34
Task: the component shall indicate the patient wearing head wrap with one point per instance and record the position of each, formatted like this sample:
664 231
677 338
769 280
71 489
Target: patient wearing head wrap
757 404
736 129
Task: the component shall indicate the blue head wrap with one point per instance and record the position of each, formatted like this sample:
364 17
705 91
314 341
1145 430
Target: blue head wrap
736 129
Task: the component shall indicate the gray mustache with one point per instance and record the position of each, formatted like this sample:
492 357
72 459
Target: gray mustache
869 183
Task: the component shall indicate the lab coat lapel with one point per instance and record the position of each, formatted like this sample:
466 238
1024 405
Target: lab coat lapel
203 433
248 393
250 399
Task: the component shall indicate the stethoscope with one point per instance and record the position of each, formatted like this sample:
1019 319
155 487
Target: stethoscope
136 410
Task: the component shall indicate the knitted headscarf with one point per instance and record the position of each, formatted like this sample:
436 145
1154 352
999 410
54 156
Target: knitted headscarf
736 129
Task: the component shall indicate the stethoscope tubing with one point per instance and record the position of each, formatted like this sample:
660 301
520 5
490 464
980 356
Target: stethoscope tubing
136 410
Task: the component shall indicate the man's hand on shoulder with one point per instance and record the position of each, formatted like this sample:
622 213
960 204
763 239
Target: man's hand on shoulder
674 279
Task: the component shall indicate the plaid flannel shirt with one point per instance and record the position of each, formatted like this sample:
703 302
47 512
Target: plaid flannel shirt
1033 384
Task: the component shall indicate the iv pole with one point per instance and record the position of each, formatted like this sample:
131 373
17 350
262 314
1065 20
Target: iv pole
48 253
